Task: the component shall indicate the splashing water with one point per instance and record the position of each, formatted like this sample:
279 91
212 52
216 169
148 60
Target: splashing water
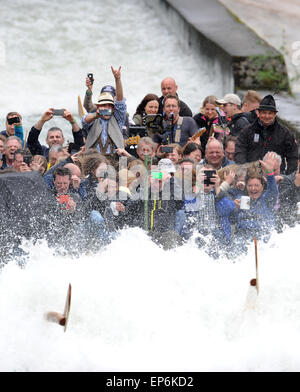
51 47
136 307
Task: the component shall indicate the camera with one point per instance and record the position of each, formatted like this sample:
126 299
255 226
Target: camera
27 158
13 120
136 130
167 150
91 77
105 112
58 112
209 174
154 122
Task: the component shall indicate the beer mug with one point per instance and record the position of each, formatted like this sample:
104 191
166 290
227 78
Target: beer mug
245 203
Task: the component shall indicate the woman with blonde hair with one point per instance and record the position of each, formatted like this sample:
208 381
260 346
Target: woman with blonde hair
210 120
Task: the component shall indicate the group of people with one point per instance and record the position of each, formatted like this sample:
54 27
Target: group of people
223 176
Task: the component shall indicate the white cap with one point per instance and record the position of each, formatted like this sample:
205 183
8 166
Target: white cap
166 165
230 98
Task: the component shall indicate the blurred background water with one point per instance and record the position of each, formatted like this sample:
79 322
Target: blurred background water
134 306
50 47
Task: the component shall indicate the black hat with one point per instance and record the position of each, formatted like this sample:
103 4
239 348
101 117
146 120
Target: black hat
268 103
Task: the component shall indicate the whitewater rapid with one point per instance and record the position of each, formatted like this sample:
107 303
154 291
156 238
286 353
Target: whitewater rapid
136 307
50 47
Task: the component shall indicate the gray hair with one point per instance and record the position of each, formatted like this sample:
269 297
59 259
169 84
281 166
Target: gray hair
13 138
145 140
54 129
56 148
278 157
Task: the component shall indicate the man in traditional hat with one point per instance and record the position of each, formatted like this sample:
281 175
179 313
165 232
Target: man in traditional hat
104 127
267 134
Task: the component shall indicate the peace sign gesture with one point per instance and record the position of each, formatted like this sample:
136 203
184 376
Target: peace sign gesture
116 73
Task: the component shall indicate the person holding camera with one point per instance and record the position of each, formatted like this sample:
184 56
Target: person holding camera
177 129
55 135
88 104
104 127
14 126
22 161
199 213
148 106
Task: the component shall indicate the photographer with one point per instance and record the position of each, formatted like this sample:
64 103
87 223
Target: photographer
148 106
88 102
200 215
22 161
55 135
104 127
176 129
14 126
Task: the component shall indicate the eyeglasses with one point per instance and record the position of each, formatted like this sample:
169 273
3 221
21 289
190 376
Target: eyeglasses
171 106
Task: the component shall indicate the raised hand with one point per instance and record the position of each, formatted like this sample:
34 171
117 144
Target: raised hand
48 115
269 164
116 73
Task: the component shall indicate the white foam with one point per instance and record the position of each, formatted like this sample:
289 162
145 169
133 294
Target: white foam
138 307
50 48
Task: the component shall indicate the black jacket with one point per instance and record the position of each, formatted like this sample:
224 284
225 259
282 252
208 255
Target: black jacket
36 148
251 116
256 140
237 123
203 122
161 213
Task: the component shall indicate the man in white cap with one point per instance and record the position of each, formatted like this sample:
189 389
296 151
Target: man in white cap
232 107
104 127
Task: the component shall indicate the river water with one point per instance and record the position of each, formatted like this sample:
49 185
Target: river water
134 305
50 47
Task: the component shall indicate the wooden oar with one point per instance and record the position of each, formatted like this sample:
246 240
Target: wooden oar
198 134
81 111
255 282
62 318
25 140
253 290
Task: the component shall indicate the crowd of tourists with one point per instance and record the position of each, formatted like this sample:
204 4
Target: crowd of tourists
222 176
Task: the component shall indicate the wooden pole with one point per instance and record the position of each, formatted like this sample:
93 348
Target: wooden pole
256 266
80 108
146 195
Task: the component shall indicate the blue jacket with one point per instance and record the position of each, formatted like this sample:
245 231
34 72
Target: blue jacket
260 218
225 208
18 132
